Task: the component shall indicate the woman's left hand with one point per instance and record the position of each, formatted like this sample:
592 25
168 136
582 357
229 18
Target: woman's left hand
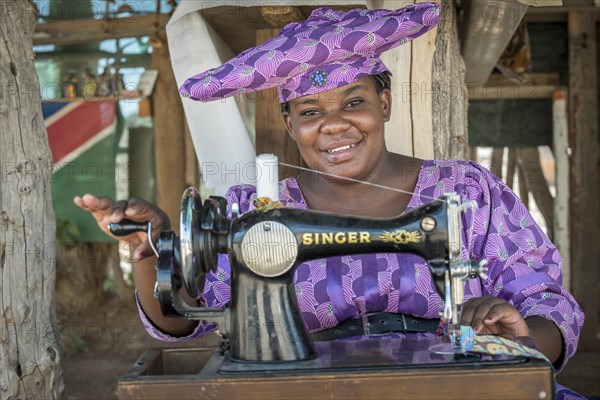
491 315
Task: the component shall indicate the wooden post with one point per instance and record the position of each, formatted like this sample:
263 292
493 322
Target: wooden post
496 161
511 166
30 359
271 135
450 99
528 158
562 235
168 133
429 118
523 193
584 191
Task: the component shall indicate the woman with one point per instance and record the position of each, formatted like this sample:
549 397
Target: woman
335 107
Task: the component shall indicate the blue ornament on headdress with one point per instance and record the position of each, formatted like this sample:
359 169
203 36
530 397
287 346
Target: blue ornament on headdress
318 78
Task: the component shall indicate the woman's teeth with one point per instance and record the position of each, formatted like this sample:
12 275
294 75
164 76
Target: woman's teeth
341 148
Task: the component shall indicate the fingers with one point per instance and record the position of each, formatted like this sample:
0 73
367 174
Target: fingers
142 210
106 211
93 203
491 315
117 211
99 207
134 209
477 310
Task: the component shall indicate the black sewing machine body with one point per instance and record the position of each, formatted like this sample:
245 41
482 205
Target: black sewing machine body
262 322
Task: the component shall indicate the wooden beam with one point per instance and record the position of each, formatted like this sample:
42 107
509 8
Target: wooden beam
79 31
131 60
568 6
562 234
585 162
280 16
560 14
531 86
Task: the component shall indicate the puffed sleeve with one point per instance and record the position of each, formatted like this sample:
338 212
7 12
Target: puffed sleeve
217 288
524 266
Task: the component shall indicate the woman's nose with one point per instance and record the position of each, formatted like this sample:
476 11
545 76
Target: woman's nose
335 122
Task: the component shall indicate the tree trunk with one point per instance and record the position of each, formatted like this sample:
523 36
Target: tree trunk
29 346
450 102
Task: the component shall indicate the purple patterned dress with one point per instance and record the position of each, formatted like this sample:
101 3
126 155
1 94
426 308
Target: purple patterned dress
524 266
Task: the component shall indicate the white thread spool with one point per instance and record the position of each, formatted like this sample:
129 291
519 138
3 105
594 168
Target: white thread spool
267 177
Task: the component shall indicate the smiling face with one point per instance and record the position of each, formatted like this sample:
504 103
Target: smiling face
341 131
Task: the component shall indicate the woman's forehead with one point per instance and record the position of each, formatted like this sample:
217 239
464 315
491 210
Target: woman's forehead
364 84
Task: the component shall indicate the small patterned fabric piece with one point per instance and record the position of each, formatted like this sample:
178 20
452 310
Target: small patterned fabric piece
496 345
467 338
328 50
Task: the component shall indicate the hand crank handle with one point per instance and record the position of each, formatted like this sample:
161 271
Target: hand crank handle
127 227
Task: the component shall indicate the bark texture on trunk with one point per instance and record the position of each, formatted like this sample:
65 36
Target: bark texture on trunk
450 100
30 366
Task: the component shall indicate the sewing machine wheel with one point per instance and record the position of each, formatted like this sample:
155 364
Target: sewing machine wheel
190 240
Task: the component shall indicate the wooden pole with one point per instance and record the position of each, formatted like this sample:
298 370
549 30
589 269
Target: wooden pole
30 359
585 169
535 182
511 166
496 161
562 234
168 133
523 193
450 101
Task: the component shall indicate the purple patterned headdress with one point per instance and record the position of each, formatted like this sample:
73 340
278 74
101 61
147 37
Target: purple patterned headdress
328 50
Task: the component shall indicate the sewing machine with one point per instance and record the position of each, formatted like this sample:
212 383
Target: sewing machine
266 350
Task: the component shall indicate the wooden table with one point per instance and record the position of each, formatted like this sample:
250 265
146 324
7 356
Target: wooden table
193 373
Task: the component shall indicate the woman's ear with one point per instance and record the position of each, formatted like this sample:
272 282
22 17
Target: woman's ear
287 120
385 98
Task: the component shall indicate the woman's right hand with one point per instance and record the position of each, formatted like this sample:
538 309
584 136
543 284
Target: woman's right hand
105 210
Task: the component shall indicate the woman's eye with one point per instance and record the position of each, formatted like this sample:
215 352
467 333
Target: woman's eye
354 103
309 113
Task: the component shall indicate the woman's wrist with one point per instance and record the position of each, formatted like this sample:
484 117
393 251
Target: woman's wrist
547 337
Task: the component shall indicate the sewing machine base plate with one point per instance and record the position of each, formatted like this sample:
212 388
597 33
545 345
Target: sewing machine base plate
203 372
360 355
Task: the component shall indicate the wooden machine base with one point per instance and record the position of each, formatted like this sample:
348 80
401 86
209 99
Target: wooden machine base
193 373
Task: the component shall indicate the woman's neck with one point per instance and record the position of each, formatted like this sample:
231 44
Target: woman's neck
368 199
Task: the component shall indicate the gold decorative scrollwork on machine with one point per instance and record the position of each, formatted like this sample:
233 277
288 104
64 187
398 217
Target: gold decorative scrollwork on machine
401 236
